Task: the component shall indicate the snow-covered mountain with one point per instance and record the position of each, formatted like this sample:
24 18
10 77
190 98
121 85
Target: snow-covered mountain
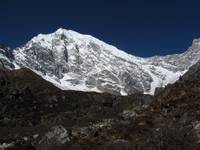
74 61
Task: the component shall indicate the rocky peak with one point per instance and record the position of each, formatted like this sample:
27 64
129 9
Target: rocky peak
196 42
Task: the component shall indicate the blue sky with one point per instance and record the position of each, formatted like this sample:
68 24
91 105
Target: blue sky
140 27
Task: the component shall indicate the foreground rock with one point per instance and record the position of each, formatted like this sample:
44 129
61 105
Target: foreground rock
36 115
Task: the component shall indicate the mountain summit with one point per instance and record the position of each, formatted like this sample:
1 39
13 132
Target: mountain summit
73 61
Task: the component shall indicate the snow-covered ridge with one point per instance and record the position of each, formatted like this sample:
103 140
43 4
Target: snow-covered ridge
73 61
82 38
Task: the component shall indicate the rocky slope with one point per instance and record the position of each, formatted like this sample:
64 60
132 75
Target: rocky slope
43 117
73 61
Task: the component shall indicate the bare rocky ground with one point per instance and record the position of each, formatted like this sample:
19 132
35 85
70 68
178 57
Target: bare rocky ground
35 115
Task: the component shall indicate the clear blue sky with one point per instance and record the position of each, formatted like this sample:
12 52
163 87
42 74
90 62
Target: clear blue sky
140 27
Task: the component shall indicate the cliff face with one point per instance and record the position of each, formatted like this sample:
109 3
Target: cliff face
6 58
